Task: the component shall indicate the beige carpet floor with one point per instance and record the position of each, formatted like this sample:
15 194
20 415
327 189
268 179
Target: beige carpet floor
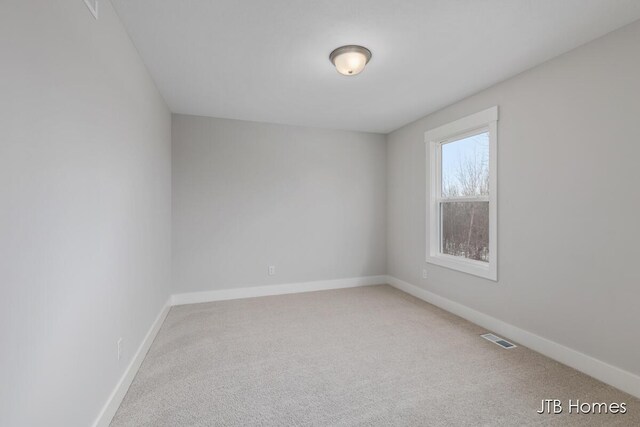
361 356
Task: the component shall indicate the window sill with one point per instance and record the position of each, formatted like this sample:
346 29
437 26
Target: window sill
469 266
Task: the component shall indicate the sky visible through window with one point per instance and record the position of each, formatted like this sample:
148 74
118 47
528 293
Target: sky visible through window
465 172
465 166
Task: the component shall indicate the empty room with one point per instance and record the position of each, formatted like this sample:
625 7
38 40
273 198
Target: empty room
319 213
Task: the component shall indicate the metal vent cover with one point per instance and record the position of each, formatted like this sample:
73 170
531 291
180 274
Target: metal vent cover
499 341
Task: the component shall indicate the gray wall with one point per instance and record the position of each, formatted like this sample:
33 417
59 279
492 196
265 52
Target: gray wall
568 196
248 195
85 214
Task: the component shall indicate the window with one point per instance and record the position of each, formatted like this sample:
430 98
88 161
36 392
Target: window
462 232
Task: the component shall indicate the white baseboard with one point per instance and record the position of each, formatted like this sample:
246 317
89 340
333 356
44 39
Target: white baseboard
288 288
612 375
115 399
619 378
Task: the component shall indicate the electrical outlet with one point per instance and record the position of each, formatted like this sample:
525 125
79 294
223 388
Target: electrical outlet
119 348
424 273
272 270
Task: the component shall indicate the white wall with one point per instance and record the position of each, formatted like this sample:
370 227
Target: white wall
568 196
248 195
85 213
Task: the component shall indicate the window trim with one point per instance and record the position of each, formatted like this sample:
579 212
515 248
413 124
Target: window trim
486 120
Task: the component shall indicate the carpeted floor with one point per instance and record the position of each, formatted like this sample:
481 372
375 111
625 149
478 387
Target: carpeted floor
361 356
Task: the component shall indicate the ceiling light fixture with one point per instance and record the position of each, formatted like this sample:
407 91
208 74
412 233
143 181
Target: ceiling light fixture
350 60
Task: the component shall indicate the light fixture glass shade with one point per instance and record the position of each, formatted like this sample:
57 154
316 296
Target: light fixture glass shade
350 60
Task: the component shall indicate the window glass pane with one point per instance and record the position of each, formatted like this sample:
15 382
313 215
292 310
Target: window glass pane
465 229
465 166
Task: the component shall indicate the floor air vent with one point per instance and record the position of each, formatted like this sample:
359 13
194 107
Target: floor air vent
499 341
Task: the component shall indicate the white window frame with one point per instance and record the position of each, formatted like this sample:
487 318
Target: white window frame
483 121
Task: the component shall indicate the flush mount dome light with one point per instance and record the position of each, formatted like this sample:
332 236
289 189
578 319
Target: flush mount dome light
350 60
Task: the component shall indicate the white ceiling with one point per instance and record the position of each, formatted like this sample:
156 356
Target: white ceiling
268 60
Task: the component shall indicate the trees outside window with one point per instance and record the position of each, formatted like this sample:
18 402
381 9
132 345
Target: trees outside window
462 199
464 204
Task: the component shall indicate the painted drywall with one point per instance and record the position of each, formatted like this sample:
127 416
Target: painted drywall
568 201
85 214
248 195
